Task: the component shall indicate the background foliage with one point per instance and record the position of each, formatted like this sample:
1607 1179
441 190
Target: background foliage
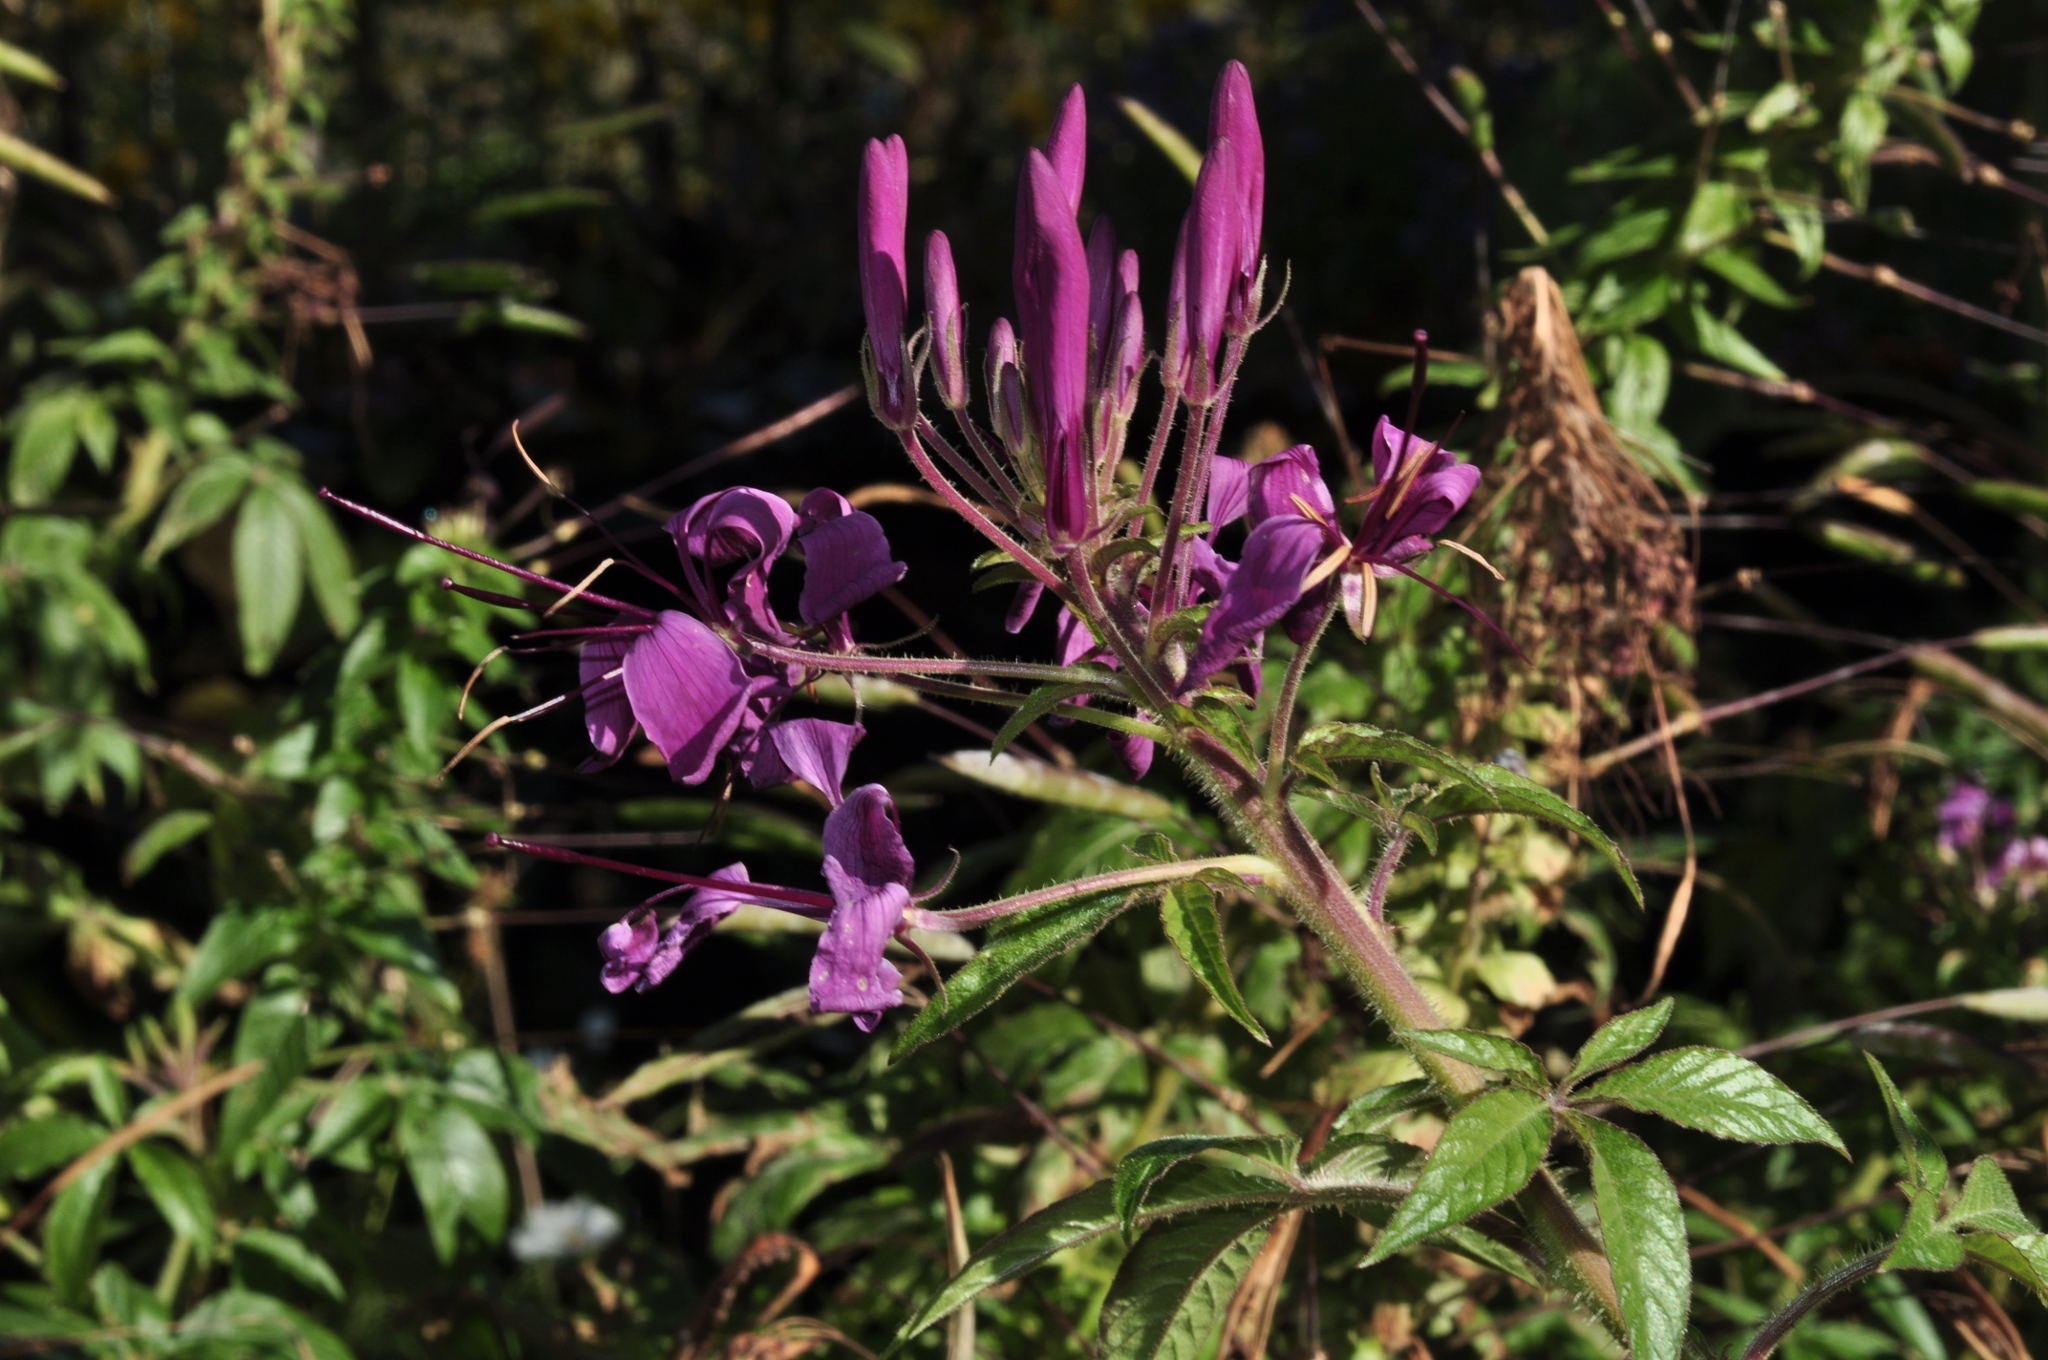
287 1061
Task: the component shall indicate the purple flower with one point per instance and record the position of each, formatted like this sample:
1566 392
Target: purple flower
741 526
868 870
686 687
1964 814
884 280
846 557
1051 278
947 321
638 954
2023 867
1418 488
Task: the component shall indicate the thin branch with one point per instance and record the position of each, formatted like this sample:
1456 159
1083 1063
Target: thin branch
1087 1160
1884 276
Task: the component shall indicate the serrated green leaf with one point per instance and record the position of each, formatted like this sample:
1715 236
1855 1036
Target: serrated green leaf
1033 939
2024 1257
1488 1152
1493 1052
1987 1202
1620 1039
329 569
1142 1167
1925 1166
45 442
159 838
456 1173
1925 1243
1188 911
177 1189
1377 1109
1170 1293
1036 705
293 1257
268 573
197 502
1717 1092
1468 788
1644 1231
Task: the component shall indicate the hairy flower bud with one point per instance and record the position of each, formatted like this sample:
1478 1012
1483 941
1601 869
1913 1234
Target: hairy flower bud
884 280
948 323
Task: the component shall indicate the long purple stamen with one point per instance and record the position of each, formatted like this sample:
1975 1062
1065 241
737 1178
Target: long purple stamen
492 597
813 904
530 577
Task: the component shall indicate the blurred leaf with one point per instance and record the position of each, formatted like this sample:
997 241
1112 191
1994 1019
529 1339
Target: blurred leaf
1043 782
1486 1154
197 502
235 944
889 50
328 568
1164 135
1630 234
1621 1039
1742 269
456 1173
267 575
1717 339
132 346
1716 1092
772 1197
45 441
238 1323
568 198
1493 1052
273 1029
159 838
1517 977
28 1148
1188 911
1170 1293
1032 939
1644 1231
293 1257
358 1109
28 66
177 1189
1718 210
71 1232
30 159
2010 1003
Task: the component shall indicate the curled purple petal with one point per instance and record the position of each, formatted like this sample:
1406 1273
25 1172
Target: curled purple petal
846 557
814 750
633 955
628 947
1275 485
746 526
868 870
1136 752
1051 278
688 690
1278 556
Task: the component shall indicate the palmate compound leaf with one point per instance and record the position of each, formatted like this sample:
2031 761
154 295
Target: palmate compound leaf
1493 1052
1188 911
1192 1188
1644 1231
1620 1039
1142 1167
1717 1092
1171 1291
1467 790
1926 1167
1032 939
1488 1151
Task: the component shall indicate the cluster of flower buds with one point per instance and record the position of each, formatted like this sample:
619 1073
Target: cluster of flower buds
1062 381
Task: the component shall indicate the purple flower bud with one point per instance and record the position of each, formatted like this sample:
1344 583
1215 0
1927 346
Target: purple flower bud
1051 278
1067 147
884 279
868 870
1173 360
846 557
1213 231
1105 292
1232 117
636 957
1126 357
948 322
1006 391
1022 605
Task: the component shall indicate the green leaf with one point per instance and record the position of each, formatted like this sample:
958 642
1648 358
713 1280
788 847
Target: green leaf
1644 1231
273 1029
1043 782
1032 939
1717 339
132 346
28 66
455 1171
293 1257
177 1189
2016 498
1639 381
1468 788
160 837
31 159
45 442
1717 1092
1926 1168
329 569
197 503
97 430
71 1233
1620 1039
32 1147
1743 270
1171 1291
235 944
1467 1240
1188 911
1718 210
1172 143
1494 1052
240 1322
1036 705
1630 234
1142 1167
1924 1243
1377 1109
1487 1153
267 559
771 1199
359 1108
1987 1202
2007 1003
2024 1257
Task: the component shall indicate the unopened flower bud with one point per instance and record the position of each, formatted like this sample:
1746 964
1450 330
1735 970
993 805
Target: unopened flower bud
884 287
948 323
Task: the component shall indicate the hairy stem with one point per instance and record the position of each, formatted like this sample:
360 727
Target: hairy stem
970 512
1155 452
1252 868
1100 680
1815 1294
1280 747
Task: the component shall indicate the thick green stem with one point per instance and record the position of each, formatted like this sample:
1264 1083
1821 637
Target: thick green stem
1365 950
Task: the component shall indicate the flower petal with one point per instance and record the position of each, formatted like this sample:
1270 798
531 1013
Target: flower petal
814 750
688 690
846 557
1067 147
628 946
868 869
607 714
1278 556
1229 492
1276 484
